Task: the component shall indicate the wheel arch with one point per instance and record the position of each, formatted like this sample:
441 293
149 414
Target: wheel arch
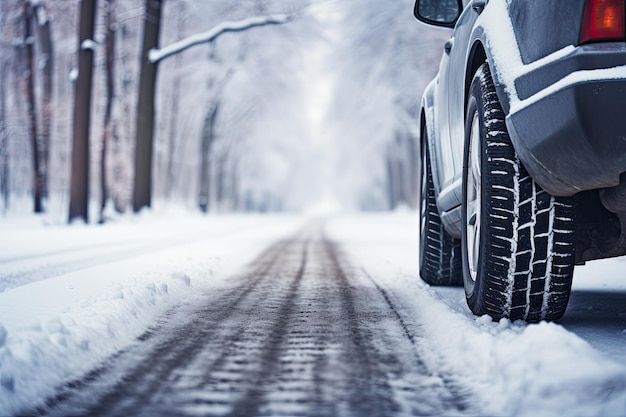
476 58
427 124
422 129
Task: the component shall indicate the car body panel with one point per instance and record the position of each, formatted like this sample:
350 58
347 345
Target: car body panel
455 88
536 31
570 140
552 94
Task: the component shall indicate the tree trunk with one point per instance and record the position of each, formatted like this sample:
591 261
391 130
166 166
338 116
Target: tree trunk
173 131
122 138
29 76
396 173
208 135
46 63
142 187
208 140
234 184
110 93
413 158
220 180
391 179
402 181
401 169
79 191
4 141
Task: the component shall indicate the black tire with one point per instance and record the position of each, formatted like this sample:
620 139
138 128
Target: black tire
440 253
522 251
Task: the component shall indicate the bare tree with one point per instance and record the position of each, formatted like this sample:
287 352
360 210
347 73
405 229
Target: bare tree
208 138
150 57
29 81
392 185
109 21
4 134
401 165
173 130
409 132
412 157
235 185
79 189
396 175
13 57
142 189
120 188
45 64
4 140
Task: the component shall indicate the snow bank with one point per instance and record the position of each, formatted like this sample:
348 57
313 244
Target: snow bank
56 329
518 369
506 368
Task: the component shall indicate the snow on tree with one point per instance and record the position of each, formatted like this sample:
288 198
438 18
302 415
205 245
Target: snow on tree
322 108
150 56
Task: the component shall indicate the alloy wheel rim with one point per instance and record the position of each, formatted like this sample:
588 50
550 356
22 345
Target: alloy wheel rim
473 198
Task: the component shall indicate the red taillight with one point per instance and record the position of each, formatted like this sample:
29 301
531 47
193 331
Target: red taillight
604 20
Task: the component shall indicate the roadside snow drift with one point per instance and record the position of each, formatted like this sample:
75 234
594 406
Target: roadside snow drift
57 329
506 368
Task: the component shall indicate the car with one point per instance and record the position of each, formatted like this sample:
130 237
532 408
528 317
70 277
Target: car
523 150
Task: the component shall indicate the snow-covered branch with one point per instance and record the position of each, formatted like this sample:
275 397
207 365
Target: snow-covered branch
40 12
156 55
88 44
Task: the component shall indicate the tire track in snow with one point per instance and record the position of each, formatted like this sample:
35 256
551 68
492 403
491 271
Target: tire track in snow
302 333
121 368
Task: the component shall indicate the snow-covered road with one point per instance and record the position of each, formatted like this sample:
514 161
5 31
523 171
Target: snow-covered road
332 322
299 333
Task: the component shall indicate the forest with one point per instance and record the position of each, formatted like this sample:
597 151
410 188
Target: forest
113 106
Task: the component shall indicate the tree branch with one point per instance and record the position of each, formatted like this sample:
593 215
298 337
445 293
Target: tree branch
157 55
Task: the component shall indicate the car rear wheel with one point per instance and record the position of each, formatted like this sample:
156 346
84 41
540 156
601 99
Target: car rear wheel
440 253
518 240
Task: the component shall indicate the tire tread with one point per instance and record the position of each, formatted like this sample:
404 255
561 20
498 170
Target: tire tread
529 233
440 260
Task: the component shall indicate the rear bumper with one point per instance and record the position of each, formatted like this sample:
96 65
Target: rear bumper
571 134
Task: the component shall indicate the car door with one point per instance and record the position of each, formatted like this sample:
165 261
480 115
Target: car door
456 50
442 154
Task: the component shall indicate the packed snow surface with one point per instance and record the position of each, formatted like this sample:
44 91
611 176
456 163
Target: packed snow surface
114 283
